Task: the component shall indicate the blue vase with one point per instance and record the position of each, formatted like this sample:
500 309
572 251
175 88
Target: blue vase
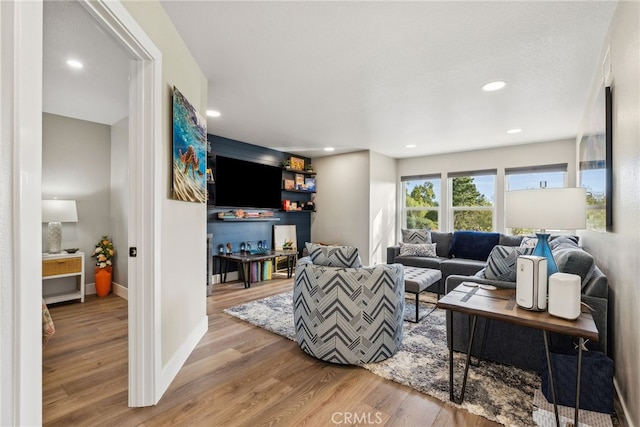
542 249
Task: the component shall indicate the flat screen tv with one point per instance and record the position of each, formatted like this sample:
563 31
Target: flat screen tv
244 184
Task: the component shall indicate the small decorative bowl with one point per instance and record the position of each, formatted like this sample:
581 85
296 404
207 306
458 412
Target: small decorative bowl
71 250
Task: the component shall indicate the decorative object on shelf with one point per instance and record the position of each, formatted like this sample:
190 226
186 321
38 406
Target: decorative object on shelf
229 248
239 213
103 253
220 249
248 246
71 250
297 163
546 208
210 178
289 184
286 164
299 182
55 212
310 206
310 184
309 168
242 246
189 151
286 205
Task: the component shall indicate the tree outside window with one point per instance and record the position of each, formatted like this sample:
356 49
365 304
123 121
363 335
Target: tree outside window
422 203
472 203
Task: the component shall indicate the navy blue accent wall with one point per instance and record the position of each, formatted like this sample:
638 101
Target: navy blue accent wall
253 231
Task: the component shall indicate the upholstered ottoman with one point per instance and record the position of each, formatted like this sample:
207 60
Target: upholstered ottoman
417 280
348 315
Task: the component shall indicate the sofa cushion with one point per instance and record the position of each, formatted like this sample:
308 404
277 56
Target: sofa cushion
506 240
501 264
570 258
418 249
443 242
334 256
474 245
416 235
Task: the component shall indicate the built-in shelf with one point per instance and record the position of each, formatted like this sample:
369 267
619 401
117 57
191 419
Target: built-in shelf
298 191
298 210
300 171
247 219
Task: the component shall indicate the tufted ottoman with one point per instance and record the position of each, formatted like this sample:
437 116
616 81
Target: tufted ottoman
418 279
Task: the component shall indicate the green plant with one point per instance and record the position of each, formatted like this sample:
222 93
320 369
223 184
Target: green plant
104 252
286 163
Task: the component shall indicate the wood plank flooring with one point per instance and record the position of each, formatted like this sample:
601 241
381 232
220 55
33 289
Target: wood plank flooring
239 375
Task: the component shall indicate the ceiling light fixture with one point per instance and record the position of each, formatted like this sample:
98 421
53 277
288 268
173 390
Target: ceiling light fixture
410 146
329 149
213 113
512 131
74 63
493 86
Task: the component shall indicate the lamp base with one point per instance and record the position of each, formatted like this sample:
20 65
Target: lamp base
55 237
543 249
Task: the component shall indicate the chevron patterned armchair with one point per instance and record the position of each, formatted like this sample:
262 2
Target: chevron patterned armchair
343 312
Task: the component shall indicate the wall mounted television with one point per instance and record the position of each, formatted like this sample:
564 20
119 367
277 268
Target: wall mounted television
244 184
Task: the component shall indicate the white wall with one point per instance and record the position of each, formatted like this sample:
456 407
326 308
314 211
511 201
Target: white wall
382 211
342 201
76 165
541 153
119 206
182 279
616 251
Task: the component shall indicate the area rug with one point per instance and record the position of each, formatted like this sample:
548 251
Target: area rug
499 393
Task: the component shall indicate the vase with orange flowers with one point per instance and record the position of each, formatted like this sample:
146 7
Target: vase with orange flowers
103 253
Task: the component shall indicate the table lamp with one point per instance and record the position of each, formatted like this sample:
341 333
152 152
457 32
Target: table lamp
55 212
546 208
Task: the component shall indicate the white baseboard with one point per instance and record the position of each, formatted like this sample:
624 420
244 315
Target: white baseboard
116 288
174 365
624 419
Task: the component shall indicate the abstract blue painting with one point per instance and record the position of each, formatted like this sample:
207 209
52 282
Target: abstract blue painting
189 151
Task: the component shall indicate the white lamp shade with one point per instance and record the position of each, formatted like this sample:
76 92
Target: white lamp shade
59 211
546 208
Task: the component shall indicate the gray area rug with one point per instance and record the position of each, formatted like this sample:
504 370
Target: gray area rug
499 393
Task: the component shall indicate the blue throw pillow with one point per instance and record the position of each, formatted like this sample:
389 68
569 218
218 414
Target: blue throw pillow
473 244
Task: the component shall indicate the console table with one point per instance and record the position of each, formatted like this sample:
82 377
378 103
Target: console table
55 266
244 260
500 304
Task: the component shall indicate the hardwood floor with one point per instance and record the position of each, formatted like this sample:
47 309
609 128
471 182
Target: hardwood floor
239 375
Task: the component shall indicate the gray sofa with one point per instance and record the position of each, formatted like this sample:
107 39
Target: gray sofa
503 342
452 258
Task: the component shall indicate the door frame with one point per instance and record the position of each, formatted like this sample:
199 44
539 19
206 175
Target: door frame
145 102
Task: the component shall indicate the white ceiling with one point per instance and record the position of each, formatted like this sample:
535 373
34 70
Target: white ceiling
299 76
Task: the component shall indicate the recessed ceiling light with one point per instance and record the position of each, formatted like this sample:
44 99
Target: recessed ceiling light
329 149
491 86
74 63
514 131
213 113
410 146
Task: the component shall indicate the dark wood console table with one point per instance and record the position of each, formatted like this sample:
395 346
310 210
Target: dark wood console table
244 260
500 304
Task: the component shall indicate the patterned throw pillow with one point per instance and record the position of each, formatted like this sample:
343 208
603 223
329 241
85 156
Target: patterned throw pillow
529 242
501 264
416 236
418 249
334 256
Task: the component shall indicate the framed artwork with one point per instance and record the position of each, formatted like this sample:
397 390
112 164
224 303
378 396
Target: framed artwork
310 184
289 184
299 181
189 151
297 163
595 162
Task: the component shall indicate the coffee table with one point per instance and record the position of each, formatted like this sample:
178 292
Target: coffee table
500 304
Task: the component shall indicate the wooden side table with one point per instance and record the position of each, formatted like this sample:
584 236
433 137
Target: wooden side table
55 266
500 304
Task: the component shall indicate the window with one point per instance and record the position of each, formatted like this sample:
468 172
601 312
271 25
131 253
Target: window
472 200
530 177
421 201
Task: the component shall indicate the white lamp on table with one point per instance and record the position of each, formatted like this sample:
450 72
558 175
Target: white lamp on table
55 212
546 208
